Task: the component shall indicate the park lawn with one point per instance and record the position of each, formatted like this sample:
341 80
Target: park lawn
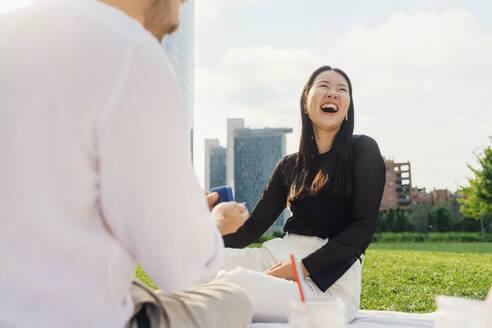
140 274
451 247
407 277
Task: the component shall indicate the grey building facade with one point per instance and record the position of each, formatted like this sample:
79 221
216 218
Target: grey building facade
247 162
254 154
179 47
215 164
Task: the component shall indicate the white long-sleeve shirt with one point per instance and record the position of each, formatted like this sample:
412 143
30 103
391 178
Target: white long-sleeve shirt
95 172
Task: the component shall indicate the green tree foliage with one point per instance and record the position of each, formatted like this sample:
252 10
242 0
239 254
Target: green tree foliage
467 224
442 219
389 220
379 222
402 223
478 202
439 220
394 221
419 216
454 210
278 234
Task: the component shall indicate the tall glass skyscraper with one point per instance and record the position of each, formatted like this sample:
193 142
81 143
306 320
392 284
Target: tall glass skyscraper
247 162
251 156
215 164
179 47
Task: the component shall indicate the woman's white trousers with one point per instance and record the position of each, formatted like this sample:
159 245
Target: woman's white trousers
271 297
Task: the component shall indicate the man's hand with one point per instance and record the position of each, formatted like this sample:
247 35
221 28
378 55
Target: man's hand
212 198
229 216
284 270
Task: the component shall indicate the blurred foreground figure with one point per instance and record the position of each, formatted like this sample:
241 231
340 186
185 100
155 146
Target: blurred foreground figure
95 175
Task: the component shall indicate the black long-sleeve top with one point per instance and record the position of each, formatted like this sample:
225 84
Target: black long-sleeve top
347 220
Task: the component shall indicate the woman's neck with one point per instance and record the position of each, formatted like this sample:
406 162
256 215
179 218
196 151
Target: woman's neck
324 139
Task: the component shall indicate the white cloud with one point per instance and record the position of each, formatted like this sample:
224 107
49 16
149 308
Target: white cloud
261 85
421 89
421 84
209 15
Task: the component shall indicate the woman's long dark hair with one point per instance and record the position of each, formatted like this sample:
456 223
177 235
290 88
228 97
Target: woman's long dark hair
311 176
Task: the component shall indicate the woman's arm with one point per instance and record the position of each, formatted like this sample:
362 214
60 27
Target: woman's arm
267 209
330 262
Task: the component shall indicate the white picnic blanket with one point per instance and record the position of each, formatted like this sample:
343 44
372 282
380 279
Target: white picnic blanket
376 319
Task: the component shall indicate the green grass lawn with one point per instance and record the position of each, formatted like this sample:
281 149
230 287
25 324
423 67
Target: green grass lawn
408 276
140 274
452 247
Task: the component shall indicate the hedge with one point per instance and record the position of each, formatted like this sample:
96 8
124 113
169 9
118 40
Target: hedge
397 237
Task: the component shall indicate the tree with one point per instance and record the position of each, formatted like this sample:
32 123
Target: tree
380 222
478 194
454 210
402 223
442 220
468 224
389 220
394 220
431 221
419 216
278 234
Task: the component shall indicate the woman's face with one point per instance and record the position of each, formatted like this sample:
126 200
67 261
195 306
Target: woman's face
328 101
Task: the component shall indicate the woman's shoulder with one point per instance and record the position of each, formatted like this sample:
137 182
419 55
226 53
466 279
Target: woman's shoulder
365 148
287 163
361 142
290 158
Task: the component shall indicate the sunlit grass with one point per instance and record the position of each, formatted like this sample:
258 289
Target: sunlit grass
398 279
143 277
407 277
451 247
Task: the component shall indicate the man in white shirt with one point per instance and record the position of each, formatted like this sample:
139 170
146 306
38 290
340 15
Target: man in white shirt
96 176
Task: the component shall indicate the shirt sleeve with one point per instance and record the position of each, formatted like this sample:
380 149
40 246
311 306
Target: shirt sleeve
271 203
336 256
150 197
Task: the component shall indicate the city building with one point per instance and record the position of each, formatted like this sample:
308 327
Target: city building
441 196
247 162
179 47
436 196
251 156
215 164
420 196
398 189
232 125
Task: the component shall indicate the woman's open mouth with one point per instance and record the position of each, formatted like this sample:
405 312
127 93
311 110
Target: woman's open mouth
329 108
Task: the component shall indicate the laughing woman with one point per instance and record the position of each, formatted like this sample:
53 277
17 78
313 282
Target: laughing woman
333 187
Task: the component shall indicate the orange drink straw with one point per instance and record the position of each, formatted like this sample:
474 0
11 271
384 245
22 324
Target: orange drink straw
297 275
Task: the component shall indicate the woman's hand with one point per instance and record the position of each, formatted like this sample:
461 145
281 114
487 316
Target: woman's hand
284 270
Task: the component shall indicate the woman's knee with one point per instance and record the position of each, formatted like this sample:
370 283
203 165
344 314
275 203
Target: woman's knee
236 275
351 309
254 259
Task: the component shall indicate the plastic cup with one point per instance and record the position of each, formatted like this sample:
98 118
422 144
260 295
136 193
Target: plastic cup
318 313
454 312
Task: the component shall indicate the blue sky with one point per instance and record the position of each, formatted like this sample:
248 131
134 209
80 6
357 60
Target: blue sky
421 72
